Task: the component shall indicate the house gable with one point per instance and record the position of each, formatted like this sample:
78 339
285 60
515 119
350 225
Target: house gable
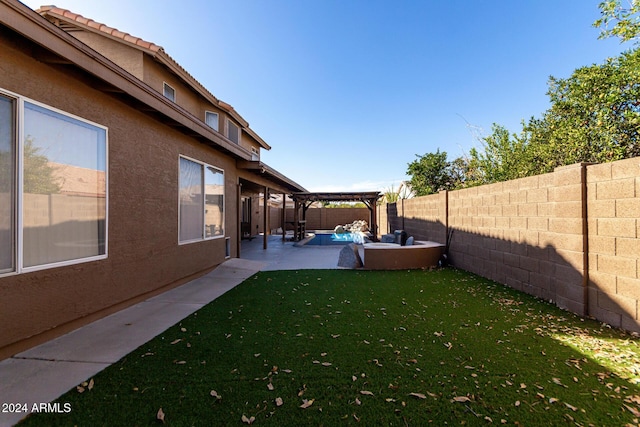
153 66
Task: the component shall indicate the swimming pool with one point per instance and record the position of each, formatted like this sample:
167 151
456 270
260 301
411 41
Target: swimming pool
329 238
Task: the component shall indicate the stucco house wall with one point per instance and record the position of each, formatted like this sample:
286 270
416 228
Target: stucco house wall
146 138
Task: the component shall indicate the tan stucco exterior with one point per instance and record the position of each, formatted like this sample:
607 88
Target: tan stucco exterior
146 137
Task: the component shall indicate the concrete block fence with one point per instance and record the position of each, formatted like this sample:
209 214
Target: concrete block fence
319 218
571 236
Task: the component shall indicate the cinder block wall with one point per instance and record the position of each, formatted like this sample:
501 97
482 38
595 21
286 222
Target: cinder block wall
571 236
328 218
613 206
321 218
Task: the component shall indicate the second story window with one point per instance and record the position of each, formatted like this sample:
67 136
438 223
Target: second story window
255 154
233 132
211 119
169 92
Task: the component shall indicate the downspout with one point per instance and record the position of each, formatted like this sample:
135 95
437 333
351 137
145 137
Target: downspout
283 217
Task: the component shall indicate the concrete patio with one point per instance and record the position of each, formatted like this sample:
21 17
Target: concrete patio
285 256
43 373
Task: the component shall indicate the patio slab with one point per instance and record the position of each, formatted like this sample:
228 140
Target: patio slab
285 256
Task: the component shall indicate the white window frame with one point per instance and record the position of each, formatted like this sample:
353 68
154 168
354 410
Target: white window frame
19 197
207 114
166 86
204 205
231 123
255 154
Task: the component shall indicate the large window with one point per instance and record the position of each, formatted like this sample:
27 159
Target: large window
201 201
53 206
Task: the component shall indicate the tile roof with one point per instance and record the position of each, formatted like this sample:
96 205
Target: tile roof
113 32
54 13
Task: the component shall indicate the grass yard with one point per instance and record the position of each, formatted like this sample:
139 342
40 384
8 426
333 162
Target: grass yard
341 347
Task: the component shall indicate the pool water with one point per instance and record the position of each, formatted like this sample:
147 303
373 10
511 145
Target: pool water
334 239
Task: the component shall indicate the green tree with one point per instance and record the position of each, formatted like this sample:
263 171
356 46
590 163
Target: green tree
392 195
619 21
432 172
594 116
505 156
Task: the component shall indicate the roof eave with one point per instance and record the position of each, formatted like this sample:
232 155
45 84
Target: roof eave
261 168
93 63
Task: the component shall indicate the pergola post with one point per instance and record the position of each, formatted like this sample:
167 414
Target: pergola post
265 218
296 217
283 217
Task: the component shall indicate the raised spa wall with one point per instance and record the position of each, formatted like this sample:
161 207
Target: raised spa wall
391 256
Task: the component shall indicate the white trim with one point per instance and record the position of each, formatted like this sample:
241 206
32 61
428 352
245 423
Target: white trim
19 198
224 202
166 85
20 185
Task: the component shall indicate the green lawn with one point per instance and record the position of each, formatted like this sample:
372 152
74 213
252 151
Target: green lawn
340 347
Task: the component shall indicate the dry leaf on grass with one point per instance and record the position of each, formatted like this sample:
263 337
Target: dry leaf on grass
215 394
633 410
302 390
83 386
558 381
366 392
160 415
418 395
90 385
248 420
306 403
573 408
279 401
461 399
270 386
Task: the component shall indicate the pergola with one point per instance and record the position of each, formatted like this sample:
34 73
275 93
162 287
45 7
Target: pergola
305 200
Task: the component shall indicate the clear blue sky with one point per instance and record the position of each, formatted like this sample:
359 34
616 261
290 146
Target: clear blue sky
347 92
